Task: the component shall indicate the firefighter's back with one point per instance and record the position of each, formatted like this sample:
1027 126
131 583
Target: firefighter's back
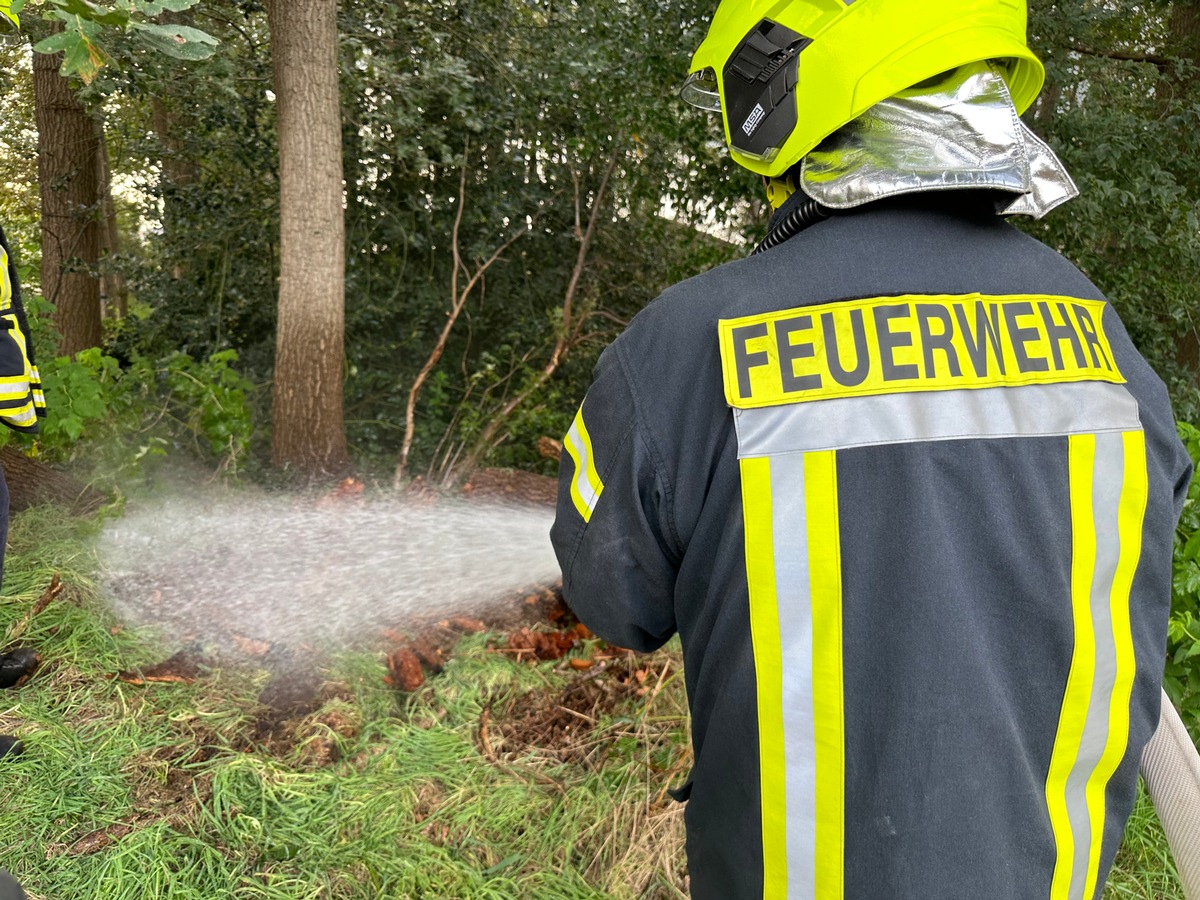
922 490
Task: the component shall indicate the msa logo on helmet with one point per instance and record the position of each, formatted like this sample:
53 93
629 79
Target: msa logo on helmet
756 116
760 83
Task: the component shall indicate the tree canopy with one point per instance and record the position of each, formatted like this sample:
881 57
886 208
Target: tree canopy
520 178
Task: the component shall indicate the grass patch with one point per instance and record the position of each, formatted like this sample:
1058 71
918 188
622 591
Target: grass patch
180 791
1143 868
497 779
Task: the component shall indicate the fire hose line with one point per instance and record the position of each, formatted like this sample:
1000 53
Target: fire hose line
1171 770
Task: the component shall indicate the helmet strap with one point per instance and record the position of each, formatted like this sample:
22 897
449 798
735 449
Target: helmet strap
780 188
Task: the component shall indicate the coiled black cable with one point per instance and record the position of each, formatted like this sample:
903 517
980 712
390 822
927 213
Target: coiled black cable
807 213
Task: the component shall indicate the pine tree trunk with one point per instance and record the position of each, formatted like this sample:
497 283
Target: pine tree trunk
67 169
308 431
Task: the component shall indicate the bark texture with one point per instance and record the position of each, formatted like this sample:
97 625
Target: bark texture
32 483
308 430
68 166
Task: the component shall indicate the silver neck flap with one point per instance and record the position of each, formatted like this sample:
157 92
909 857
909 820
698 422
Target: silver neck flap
958 132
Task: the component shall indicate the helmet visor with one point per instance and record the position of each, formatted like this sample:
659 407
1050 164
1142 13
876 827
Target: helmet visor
701 91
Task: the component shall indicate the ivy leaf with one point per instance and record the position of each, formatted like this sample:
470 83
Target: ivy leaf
178 41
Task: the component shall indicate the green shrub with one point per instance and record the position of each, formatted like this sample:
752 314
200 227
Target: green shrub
1182 676
144 409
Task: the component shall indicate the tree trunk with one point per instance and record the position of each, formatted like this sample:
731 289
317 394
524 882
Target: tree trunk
1184 38
67 169
33 483
308 430
114 293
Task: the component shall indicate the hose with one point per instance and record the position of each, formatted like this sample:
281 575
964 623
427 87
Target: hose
809 212
1171 770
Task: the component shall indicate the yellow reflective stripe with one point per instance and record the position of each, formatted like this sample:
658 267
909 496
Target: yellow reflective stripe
1081 464
1108 490
24 416
796 627
586 486
19 337
825 564
1131 511
5 282
768 670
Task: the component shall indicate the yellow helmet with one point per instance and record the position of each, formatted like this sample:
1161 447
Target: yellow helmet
786 74
9 22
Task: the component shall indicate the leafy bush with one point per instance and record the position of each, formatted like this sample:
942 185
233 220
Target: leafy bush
144 409
1182 676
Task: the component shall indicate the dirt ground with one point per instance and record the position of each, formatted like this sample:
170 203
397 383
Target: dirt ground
512 485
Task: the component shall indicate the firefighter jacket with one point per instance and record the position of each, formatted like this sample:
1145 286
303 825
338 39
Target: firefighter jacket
21 399
907 493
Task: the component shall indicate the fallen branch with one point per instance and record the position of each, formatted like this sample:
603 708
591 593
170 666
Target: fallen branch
569 330
458 300
18 628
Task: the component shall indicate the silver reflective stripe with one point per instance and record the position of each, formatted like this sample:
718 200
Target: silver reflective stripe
790 532
1028 411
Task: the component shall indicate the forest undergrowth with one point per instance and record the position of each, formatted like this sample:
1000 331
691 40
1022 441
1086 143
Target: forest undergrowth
502 776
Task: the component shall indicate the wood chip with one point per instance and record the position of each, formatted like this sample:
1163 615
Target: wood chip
404 670
430 655
98 840
543 644
18 627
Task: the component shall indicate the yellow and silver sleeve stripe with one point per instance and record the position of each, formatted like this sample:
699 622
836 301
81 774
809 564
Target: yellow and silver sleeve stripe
586 486
1108 481
796 628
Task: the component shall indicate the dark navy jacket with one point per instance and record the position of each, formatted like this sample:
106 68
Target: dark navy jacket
907 492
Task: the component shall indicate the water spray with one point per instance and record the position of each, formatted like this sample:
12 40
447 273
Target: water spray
290 571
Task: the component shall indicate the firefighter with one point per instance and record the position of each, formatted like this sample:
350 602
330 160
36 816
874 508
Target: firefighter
21 405
899 481
22 402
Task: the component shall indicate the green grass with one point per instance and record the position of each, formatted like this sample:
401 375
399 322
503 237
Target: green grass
171 791
1143 868
167 790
